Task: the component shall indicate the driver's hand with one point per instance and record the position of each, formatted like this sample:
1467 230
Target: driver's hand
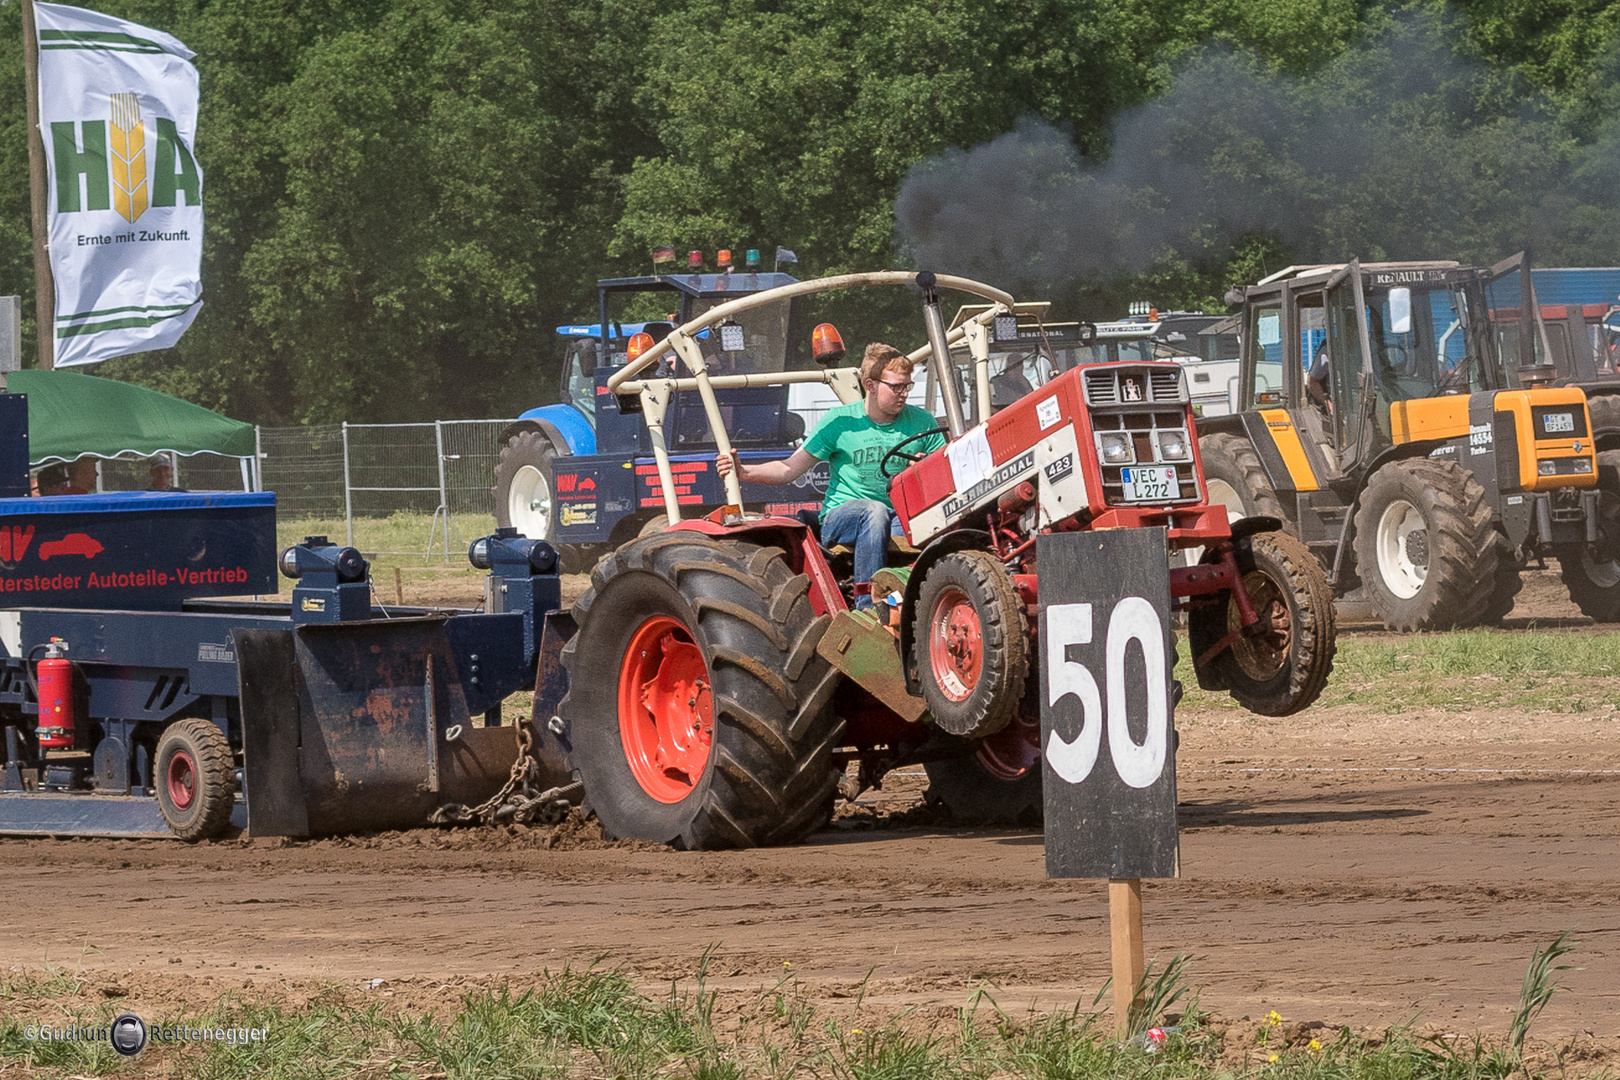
725 463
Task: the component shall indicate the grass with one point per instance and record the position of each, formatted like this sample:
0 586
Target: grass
1462 671
597 1023
399 538
398 541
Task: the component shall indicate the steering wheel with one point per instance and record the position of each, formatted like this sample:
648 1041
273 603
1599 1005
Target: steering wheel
910 457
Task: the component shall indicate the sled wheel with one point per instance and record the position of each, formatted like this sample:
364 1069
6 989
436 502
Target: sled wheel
1426 549
698 708
195 779
971 644
1283 668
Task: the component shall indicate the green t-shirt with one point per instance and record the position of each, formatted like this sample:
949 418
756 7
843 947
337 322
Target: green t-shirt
855 446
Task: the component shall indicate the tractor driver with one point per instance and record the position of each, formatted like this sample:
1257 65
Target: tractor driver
854 438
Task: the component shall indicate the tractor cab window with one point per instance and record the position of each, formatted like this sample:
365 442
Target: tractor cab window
1262 377
1418 337
580 366
761 333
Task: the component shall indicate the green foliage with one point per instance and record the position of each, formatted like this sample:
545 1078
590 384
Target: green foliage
403 199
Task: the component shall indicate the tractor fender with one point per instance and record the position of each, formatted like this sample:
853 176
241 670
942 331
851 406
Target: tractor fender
1258 523
956 540
547 425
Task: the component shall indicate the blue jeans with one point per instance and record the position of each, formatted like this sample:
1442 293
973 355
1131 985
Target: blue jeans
865 525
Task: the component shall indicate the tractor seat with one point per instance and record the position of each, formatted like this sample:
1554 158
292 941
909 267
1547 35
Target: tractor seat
841 557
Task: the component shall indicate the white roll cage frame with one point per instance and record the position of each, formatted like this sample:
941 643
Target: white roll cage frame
656 394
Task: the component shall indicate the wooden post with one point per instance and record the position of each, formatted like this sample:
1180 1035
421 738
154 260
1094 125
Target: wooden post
399 587
44 284
1125 920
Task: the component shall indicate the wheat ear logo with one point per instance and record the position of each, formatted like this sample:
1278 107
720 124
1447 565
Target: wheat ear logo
128 154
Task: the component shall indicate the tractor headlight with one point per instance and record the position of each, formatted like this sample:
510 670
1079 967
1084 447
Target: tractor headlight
1583 465
1173 446
1546 468
1116 448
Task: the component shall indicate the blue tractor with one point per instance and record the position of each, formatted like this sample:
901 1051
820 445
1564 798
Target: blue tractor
581 474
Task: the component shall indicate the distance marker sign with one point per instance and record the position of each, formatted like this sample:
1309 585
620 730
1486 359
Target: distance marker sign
1108 735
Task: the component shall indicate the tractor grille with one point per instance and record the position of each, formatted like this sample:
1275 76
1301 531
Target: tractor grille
1139 420
1125 384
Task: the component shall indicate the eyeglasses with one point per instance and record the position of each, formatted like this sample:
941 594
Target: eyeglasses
897 387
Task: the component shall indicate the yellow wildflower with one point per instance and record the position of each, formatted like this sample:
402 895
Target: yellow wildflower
1273 1018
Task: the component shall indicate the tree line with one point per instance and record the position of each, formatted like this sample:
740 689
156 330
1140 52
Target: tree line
404 197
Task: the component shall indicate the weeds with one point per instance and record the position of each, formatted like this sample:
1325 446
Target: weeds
595 1023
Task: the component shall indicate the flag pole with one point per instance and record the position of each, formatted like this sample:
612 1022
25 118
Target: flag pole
44 285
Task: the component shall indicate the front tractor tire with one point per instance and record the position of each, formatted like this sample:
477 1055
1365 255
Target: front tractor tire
1283 667
1427 550
971 644
1593 578
698 709
523 478
195 779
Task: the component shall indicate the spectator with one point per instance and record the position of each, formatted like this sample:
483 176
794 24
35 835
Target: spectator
162 476
52 480
855 438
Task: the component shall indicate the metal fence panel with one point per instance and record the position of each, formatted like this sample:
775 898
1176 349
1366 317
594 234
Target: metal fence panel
393 489
304 467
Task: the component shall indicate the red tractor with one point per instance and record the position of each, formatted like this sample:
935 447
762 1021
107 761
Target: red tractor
720 683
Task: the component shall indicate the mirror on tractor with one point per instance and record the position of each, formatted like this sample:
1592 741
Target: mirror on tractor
1400 310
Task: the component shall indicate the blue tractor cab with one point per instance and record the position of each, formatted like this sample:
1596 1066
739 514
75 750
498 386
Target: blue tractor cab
580 474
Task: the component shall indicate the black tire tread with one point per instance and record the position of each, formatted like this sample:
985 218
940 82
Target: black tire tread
1596 600
770 778
1004 627
1604 410
1464 556
216 769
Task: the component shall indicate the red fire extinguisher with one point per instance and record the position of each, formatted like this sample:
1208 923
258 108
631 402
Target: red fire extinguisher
55 679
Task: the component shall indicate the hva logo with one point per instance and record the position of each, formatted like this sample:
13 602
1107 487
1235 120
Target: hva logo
118 174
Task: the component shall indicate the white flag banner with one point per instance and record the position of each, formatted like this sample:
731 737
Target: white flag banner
118 117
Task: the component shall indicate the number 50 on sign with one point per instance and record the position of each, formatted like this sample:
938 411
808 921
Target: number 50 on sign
1107 724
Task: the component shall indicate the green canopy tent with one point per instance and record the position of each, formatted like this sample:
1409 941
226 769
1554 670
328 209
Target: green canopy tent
71 414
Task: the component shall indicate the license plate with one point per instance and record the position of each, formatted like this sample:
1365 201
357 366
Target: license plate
1557 423
1156 483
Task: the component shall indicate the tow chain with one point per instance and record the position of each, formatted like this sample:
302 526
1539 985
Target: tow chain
518 802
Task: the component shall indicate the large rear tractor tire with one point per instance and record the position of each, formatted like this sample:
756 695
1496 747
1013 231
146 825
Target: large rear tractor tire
1593 578
1236 479
1426 549
195 779
997 780
698 709
971 645
1283 668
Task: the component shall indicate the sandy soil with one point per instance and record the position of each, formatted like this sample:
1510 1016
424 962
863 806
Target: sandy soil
1337 866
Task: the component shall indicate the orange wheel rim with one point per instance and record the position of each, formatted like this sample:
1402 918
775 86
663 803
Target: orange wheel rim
666 714
955 645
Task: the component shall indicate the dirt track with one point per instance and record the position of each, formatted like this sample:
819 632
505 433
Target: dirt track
1338 866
